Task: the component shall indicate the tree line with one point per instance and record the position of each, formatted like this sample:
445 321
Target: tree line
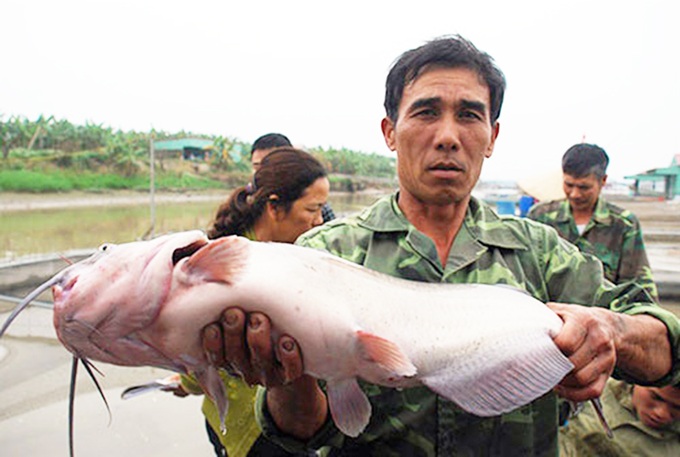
29 144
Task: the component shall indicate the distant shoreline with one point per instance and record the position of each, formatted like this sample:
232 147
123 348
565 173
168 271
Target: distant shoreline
20 201
15 201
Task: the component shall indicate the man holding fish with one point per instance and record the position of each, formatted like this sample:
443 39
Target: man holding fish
442 102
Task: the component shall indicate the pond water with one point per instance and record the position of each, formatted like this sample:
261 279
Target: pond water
27 233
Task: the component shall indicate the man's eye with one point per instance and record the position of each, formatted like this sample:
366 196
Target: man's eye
470 115
426 112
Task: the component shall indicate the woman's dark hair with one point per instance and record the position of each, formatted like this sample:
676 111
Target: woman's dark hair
285 172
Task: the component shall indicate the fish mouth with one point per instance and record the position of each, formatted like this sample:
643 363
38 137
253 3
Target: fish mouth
188 250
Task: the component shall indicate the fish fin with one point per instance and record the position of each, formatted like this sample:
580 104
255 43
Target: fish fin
349 406
219 261
393 363
495 383
213 386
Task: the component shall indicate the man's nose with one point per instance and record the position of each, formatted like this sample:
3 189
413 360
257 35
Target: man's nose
448 134
574 192
663 414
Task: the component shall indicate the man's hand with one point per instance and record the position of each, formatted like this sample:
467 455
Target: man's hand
243 345
597 340
588 338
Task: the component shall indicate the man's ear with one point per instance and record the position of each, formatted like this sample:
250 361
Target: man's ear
494 134
604 180
387 127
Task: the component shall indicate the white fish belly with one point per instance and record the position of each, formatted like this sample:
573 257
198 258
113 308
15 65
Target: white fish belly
487 348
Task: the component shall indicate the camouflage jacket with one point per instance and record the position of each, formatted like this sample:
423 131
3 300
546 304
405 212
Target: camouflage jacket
583 436
613 235
488 249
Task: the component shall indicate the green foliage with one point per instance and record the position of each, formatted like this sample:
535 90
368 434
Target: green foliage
24 180
50 154
59 181
342 184
230 154
348 162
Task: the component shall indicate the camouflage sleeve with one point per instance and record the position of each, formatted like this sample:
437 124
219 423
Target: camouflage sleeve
537 212
575 277
343 239
634 263
324 437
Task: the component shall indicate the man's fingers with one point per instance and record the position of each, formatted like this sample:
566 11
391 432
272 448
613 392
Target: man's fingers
577 392
233 326
572 335
290 358
261 351
212 344
243 345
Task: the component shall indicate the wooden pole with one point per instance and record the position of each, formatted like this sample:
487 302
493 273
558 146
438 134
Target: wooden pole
152 186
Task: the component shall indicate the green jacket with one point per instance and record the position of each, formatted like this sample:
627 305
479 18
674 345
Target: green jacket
488 249
613 235
583 436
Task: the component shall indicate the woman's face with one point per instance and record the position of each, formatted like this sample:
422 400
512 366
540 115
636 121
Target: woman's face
304 214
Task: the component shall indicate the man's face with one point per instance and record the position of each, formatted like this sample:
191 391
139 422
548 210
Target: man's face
583 193
657 406
258 156
442 135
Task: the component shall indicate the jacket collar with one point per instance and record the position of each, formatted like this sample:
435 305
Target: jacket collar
482 223
601 215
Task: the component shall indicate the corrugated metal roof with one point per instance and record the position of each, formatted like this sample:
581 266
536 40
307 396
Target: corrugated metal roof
659 173
179 145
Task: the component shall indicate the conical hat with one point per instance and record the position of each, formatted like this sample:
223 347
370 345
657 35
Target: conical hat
545 185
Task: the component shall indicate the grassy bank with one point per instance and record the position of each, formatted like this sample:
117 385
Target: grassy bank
66 180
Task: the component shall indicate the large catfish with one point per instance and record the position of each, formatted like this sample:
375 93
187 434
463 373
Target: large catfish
487 348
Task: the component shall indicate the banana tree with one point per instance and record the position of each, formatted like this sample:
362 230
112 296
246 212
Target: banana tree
14 133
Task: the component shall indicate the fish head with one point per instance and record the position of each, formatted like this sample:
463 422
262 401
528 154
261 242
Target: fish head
100 301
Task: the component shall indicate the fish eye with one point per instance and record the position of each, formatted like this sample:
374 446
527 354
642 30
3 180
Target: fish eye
105 247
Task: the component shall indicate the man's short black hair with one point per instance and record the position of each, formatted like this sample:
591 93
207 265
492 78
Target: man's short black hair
269 141
584 159
446 52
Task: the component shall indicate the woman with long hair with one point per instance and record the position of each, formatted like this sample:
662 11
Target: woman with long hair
283 201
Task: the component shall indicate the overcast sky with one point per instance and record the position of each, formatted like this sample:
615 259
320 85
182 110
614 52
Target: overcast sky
315 70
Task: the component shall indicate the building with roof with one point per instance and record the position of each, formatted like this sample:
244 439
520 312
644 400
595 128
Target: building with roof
659 181
184 148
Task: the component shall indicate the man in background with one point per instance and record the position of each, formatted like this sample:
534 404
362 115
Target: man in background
645 422
586 219
270 142
264 145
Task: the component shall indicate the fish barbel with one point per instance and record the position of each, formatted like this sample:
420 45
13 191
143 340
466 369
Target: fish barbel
487 348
